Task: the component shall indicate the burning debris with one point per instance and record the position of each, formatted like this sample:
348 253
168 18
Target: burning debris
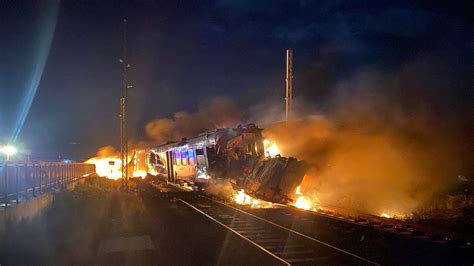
241 155
273 179
242 198
271 148
107 163
107 167
303 202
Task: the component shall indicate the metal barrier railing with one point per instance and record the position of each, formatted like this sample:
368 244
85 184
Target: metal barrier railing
20 180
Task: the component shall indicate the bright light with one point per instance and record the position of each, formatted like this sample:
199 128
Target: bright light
298 190
242 198
140 173
271 149
110 167
9 150
303 203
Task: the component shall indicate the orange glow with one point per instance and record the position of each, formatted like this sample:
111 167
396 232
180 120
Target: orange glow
392 215
140 173
109 167
303 202
242 198
153 172
271 148
298 190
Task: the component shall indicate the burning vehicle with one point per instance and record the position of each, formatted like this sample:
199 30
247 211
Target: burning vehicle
240 155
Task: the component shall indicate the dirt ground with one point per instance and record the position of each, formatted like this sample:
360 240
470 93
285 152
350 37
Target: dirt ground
97 224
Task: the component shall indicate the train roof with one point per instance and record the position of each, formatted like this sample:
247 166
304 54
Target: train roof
202 137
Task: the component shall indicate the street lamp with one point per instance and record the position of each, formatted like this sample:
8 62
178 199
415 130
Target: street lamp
8 151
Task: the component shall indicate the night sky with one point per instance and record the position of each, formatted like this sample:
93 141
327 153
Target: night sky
184 52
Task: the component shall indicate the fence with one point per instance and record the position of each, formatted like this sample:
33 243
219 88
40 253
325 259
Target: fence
20 181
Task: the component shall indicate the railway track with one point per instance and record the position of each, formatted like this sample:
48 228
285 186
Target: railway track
286 245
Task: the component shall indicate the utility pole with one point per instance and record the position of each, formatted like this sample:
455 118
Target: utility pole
123 110
289 83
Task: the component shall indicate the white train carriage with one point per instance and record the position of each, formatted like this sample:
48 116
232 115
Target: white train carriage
199 158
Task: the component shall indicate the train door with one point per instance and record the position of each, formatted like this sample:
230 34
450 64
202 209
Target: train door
169 166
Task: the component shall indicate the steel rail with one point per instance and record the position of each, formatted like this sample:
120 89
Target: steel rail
237 233
297 233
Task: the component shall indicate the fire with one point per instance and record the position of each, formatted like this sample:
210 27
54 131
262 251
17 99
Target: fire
140 173
302 202
395 215
298 190
242 198
271 148
109 167
153 172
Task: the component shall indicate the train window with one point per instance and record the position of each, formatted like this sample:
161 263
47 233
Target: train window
152 158
199 151
184 157
177 157
158 160
192 158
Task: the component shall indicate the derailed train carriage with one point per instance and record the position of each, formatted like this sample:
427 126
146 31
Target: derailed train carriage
236 154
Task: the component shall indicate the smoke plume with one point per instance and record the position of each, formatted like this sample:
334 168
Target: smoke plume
378 148
218 112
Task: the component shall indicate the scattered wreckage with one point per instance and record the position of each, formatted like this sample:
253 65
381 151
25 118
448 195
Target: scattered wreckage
236 154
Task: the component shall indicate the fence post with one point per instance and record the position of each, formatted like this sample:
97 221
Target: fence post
34 180
6 186
46 176
25 181
16 183
40 178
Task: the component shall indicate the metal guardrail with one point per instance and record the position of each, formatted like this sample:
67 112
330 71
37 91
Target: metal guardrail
19 181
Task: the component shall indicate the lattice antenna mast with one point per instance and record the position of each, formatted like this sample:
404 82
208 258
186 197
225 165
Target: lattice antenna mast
123 110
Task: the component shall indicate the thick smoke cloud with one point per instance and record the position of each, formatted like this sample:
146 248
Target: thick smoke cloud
218 112
387 143
107 151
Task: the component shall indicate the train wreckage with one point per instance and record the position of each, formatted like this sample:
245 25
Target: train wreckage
236 154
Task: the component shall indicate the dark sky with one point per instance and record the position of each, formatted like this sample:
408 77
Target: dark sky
184 52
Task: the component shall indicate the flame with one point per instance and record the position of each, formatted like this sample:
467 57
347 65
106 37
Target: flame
153 172
298 190
271 148
302 202
140 173
109 167
186 186
242 198
393 215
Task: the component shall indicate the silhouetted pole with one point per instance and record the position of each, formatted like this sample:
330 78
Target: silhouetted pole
289 83
123 110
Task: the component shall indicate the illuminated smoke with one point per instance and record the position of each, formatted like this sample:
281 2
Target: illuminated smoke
374 150
218 112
